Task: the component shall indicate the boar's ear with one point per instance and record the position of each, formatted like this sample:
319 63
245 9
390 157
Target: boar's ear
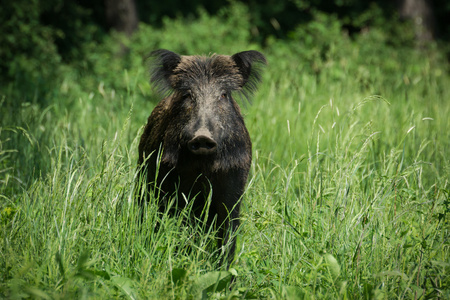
161 68
249 64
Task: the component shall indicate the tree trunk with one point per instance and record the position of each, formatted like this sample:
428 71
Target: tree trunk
421 12
121 15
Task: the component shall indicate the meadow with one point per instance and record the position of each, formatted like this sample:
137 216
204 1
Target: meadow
348 194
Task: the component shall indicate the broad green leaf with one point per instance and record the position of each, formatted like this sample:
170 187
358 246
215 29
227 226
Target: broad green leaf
125 285
393 273
293 292
209 283
178 275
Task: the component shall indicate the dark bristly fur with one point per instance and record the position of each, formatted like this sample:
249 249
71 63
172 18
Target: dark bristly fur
205 145
247 63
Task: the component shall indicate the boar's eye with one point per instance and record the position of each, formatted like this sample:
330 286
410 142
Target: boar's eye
224 96
186 95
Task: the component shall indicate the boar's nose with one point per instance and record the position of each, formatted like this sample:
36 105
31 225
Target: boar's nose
202 145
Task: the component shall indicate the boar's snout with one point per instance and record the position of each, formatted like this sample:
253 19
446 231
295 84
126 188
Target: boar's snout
202 145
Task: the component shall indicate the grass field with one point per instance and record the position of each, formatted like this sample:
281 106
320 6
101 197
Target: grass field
348 195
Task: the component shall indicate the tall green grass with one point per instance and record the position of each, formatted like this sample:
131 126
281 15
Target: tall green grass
348 195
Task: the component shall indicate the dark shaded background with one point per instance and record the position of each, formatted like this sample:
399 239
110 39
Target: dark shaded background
41 34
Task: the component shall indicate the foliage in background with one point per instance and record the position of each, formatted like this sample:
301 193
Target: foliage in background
38 39
63 33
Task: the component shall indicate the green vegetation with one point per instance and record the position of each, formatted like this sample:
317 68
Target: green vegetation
348 195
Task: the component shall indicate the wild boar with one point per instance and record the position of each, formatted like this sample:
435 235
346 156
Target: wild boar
195 142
